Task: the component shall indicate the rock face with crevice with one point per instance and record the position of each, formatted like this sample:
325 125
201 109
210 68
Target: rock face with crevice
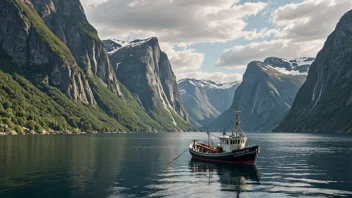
146 72
324 103
38 52
67 20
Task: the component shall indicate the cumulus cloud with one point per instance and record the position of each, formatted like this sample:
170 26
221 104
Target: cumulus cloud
184 59
311 19
301 30
218 77
239 56
177 22
263 33
92 3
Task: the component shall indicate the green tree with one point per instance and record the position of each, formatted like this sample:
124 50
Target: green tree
18 129
33 125
8 122
7 104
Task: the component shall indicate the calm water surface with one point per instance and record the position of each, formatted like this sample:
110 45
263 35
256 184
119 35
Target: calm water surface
135 165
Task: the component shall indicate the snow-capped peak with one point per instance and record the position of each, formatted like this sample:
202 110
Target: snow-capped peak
208 84
297 66
119 44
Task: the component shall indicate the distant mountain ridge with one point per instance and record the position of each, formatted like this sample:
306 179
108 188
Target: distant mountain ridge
204 100
265 94
324 103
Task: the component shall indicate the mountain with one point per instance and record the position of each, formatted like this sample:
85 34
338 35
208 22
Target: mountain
324 103
56 73
204 100
67 20
266 93
146 72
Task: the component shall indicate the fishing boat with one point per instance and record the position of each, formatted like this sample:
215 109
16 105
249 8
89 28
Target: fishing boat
231 149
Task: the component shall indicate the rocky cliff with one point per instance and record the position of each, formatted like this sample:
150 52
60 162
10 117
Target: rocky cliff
51 44
67 20
324 103
39 53
205 100
146 72
265 95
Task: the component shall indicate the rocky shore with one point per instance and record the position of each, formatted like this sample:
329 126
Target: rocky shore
4 130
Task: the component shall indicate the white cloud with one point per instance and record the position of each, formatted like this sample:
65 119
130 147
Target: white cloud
239 56
216 76
311 19
92 3
185 59
263 33
301 30
176 22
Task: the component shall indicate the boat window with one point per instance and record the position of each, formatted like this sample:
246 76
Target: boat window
227 142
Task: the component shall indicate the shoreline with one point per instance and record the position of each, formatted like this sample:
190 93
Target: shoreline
54 133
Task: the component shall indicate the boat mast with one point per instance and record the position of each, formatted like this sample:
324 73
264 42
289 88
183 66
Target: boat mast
237 122
224 133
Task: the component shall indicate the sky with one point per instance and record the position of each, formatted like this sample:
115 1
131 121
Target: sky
216 39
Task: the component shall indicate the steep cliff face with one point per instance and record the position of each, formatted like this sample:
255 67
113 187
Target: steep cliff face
146 72
57 48
38 53
67 20
264 97
169 85
324 103
205 100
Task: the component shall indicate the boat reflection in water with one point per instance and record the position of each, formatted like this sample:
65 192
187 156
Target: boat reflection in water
234 178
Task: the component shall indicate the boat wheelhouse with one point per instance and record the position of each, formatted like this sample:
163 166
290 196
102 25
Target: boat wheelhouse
231 149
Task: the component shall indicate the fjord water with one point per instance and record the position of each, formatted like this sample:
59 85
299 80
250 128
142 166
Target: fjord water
136 165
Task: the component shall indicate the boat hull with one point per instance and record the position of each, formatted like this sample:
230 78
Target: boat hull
242 156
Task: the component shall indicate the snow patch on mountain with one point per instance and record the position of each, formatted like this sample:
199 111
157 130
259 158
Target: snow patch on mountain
208 84
119 44
303 61
287 72
295 67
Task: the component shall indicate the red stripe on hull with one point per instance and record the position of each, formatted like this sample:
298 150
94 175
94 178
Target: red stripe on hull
224 161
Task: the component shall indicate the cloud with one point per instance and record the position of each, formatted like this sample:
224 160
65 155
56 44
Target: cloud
177 22
216 77
184 59
301 30
311 19
239 56
92 3
263 33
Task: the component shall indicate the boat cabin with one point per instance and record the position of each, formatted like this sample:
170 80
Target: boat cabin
230 143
